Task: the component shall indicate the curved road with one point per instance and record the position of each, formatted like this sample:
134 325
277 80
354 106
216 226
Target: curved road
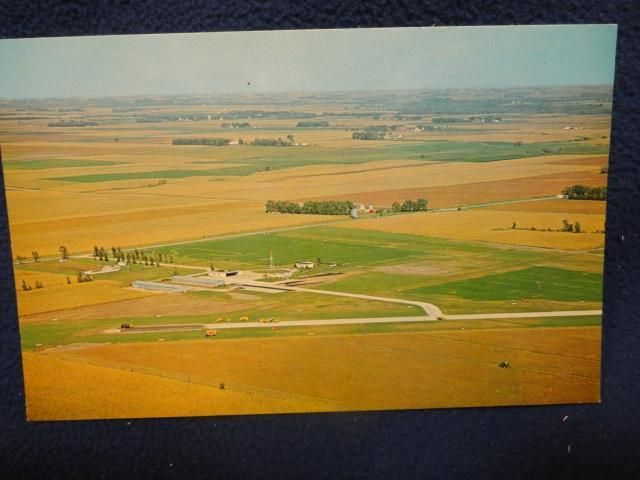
429 308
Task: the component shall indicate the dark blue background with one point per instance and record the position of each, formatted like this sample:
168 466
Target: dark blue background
518 442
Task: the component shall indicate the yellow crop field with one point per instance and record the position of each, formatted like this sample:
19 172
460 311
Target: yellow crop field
589 207
52 391
58 295
164 187
444 196
492 226
128 229
339 372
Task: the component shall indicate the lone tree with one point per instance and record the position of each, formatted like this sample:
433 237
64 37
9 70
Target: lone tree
35 255
64 254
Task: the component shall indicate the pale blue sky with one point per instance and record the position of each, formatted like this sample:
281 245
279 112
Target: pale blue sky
307 60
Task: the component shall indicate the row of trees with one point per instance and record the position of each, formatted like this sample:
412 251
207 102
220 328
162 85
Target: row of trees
583 192
273 142
380 128
329 207
566 227
312 124
215 142
420 205
235 125
137 256
73 123
368 135
64 254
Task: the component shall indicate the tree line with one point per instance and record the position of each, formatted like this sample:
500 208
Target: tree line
73 123
420 205
216 142
317 124
583 192
328 207
134 257
273 142
368 135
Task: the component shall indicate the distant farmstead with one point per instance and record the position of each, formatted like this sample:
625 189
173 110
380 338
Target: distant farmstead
303 265
222 273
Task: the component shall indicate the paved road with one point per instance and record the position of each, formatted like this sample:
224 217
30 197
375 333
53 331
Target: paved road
430 309
353 321
311 323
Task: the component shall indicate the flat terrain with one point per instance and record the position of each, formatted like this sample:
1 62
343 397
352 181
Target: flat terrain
345 372
491 250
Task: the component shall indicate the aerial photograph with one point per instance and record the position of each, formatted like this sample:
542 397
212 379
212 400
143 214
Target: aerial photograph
307 221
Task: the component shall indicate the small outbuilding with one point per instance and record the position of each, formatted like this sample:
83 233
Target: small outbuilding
304 265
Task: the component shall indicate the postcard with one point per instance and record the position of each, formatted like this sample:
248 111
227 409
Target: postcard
308 221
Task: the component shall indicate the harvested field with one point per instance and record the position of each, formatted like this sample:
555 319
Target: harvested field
345 372
150 305
481 192
486 225
590 207
60 296
149 227
51 386
119 182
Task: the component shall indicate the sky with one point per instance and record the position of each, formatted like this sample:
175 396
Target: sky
307 61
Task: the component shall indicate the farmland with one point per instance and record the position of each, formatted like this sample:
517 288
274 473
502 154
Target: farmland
558 365
89 173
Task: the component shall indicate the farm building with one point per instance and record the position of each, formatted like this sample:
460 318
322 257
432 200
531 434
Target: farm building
302 265
197 281
222 273
159 286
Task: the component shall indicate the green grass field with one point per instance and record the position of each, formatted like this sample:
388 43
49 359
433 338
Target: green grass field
530 283
254 251
43 164
349 246
249 159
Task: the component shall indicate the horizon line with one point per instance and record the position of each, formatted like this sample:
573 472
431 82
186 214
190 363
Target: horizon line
300 92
